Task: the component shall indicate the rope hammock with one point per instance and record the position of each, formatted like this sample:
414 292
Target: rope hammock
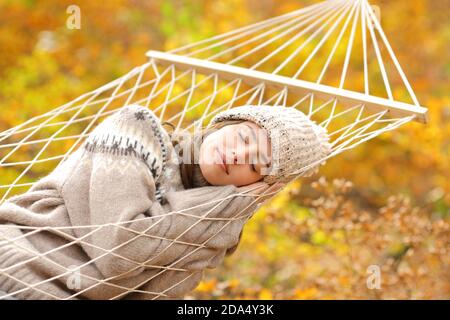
266 63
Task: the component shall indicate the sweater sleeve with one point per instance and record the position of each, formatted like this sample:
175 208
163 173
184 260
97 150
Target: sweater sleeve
130 232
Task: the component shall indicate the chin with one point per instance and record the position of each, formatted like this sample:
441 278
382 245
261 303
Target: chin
211 174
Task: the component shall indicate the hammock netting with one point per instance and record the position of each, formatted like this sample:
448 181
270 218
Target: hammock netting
330 60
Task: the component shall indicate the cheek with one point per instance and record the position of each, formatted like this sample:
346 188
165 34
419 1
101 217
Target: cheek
242 176
204 151
213 140
208 149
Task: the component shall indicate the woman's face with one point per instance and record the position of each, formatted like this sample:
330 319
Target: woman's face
237 154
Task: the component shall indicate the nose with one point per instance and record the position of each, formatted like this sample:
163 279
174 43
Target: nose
238 152
234 158
241 156
231 157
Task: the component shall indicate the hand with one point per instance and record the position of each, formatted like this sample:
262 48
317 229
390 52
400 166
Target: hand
261 190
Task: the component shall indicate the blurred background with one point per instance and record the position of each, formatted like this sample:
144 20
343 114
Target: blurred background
385 203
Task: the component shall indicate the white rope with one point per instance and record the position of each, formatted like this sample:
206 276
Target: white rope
349 48
295 22
323 40
253 27
391 53
271 40
309 39
300 34
364 41
379 58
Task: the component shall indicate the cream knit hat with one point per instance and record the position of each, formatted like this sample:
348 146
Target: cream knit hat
299 145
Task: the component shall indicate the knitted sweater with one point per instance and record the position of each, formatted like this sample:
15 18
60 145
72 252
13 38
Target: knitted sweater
114 221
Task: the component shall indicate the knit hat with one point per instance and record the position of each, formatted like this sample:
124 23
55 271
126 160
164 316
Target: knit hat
299 145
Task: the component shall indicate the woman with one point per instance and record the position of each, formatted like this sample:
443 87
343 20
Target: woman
137 213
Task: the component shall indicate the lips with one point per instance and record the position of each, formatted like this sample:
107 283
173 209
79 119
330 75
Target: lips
223 164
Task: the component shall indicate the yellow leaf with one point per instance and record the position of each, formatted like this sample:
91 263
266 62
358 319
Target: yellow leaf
207 286
265 294
304 294
233 283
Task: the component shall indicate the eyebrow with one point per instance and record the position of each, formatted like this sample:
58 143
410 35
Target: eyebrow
254 136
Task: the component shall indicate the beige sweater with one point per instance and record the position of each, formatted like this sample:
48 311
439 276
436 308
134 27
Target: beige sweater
112 221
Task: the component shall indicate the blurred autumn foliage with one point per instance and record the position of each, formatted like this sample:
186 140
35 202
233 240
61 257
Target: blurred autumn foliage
385 203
